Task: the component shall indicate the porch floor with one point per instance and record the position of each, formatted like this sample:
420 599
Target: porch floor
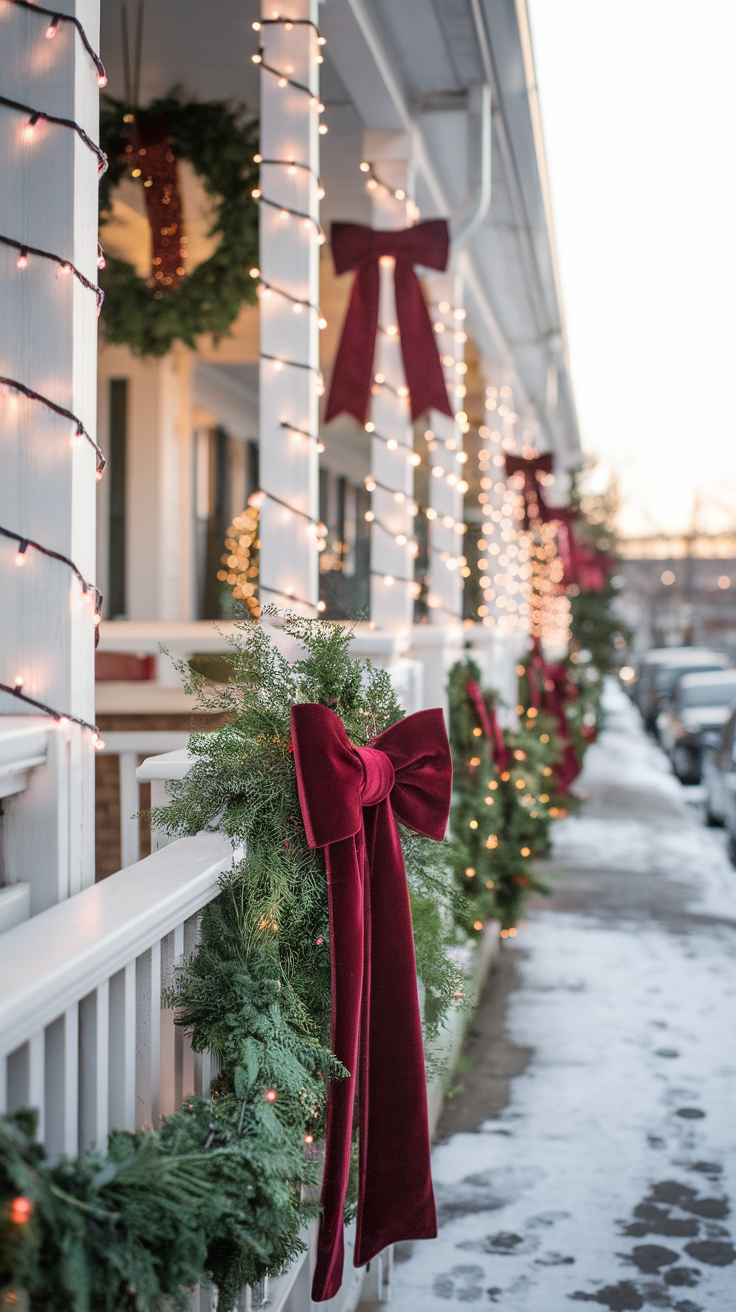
591 1152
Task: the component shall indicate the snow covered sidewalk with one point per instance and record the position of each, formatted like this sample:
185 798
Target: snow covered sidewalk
606 1176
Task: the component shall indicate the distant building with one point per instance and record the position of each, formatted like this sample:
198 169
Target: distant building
680 590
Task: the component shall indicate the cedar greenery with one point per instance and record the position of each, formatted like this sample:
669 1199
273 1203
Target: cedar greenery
490 806
212 136
222 1190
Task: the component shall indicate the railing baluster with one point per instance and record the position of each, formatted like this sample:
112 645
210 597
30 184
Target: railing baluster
168 1031
148 1037
71 1080
102 1064
36 1078
130 842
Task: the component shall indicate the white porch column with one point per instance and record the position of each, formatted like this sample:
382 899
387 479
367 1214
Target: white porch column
392 447
290 383
48 336
445 454
159 514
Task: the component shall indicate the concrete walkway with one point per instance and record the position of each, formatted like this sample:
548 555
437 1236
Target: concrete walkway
591 1153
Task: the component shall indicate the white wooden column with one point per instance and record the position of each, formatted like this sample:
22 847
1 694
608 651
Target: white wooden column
48 338
290 384
392 484
445 454
159 525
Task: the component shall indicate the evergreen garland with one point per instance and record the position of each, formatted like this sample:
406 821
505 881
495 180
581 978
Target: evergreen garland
222 1190
596 626
500 818
220 148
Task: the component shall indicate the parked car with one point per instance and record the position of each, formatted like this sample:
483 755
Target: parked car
659 672
699 707
719 781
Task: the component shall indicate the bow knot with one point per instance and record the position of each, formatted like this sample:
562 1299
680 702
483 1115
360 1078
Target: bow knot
378 776
350 799
355 246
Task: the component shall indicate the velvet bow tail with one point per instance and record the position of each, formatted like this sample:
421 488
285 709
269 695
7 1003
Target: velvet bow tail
350 798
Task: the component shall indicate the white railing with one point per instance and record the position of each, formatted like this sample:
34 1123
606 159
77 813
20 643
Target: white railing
130 746
84 1038
80 989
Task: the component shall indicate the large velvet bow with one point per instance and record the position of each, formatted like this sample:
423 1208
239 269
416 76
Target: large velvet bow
355 246
351 798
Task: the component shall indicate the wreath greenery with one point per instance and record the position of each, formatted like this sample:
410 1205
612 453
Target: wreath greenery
220 146
222 1190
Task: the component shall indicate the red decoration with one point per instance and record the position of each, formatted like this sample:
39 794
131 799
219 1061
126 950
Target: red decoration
350 799
489 724
535 506
21 1210
557 691
355 246
153 154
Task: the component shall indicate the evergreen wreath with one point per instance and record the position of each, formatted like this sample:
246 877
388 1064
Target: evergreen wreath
149 315
222 1190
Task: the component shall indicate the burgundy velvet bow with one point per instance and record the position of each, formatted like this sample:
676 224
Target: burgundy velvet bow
489 724
582 564
555 685
351 798
535 506
355 246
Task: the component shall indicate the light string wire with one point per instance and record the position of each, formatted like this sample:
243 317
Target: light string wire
36 114
288 163
60 716
303 433
24 543
294 364
286 209
282 592
296 300
59 410
57 18
270 497
280 20
66 265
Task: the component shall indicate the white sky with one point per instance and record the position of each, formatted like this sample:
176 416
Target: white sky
638 101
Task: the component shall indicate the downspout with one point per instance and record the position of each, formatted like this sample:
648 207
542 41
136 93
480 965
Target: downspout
477 204
471 213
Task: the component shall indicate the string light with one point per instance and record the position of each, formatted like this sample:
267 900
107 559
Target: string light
64 265
36 114
285 211
80 430
296 300
51 30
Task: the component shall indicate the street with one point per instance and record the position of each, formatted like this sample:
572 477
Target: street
589 1152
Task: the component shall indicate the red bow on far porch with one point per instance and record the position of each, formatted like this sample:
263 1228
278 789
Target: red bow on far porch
535 506
355 246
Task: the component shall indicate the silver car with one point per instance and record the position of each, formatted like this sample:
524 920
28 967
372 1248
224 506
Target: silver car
700 706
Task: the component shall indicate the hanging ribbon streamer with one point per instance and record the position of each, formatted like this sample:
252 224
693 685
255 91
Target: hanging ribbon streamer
556 692
355 246
489 724
351 799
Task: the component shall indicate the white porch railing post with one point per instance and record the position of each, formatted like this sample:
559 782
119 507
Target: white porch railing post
48 331
289 263
446 541
392 556
130 841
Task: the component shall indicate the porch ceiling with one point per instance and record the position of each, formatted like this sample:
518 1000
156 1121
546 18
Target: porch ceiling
389 66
